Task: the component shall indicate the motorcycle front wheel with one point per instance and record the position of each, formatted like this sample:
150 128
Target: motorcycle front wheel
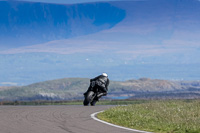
88 98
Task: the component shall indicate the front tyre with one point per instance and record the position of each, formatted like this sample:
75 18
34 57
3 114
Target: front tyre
88 98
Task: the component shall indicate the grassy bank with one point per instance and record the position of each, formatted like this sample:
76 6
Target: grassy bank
171 116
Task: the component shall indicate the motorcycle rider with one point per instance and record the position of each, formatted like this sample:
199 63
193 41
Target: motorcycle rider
101 82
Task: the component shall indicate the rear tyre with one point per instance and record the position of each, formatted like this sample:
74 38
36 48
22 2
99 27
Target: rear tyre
93 102
88 98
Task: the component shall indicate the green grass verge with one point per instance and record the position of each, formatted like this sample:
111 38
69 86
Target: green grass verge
170 116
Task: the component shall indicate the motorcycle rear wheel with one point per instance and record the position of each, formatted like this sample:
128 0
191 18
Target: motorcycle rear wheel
93 102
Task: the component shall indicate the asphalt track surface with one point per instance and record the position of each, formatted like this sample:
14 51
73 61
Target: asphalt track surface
53 119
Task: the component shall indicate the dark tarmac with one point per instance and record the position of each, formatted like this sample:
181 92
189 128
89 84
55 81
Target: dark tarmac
53 119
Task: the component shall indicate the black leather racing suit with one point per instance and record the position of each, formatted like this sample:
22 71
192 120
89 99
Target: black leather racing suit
101 82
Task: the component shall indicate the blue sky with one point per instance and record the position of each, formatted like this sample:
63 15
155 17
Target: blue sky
67 1
155 39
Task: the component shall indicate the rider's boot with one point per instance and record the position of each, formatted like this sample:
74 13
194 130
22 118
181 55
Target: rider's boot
101 94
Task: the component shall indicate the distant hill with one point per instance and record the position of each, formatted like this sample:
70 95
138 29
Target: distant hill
73 89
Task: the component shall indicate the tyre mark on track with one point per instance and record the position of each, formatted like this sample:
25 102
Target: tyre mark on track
51 119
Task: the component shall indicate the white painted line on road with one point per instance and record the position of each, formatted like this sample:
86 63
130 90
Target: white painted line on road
93 116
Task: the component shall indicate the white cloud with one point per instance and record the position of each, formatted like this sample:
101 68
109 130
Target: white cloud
8 84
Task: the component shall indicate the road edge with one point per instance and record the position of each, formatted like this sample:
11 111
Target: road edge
93 116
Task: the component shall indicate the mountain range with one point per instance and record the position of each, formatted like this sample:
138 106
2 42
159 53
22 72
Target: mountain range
73 89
